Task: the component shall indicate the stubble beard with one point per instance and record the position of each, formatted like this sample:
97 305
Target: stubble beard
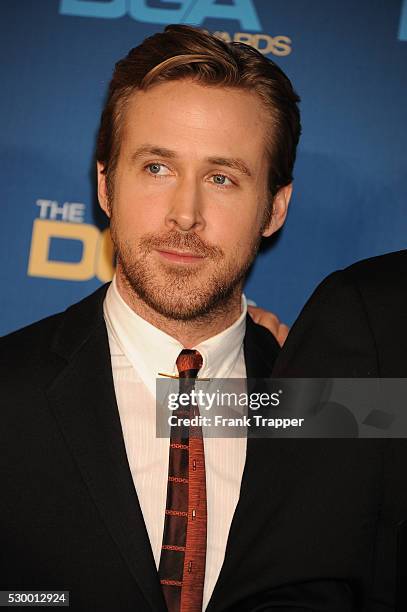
176 292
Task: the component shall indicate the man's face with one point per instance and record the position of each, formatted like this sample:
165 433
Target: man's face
190 195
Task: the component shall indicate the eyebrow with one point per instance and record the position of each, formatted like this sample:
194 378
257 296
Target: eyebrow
229 162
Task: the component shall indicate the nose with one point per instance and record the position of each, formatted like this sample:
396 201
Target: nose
185 207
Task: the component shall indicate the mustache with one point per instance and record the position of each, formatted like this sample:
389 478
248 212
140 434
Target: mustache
180 242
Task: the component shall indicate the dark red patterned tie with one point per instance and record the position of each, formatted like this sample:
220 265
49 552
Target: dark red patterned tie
183 554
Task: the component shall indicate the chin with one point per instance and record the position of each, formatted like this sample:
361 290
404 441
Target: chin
181 308
181 293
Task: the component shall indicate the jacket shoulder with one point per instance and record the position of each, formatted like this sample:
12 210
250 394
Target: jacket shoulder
51 339
382 285
26 358
30 338
387 271
332 336
350 324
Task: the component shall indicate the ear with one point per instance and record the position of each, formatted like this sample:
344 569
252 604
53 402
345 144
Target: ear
280 209
102 189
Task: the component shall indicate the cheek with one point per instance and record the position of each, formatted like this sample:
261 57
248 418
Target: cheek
234 229
234 238
136 210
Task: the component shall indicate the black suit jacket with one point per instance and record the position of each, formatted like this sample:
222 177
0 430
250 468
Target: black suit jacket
69 514
355 325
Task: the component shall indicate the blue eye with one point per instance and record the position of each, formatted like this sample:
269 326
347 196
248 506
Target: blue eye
222 180
157 170
154 168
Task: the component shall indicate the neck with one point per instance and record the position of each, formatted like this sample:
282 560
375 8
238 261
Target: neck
188 333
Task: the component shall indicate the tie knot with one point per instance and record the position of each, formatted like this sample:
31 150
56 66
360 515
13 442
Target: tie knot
189 363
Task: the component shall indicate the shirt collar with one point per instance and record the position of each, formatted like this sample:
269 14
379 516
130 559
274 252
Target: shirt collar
150 350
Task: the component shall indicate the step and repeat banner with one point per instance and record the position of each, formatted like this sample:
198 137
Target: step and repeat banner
348 61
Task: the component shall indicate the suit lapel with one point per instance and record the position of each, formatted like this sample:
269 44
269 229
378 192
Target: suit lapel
83 400
260 350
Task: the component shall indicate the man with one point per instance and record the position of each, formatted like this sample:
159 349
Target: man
355 325
195 154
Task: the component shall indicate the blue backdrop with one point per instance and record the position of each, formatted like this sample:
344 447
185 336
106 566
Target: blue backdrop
346 59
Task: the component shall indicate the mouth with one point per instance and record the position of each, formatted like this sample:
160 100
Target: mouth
183 257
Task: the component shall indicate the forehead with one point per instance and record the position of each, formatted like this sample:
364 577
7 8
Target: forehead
197 120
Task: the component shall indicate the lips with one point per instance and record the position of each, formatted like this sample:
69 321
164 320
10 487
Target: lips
180 256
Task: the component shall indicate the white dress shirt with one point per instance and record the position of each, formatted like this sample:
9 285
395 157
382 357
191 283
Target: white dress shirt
138 352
